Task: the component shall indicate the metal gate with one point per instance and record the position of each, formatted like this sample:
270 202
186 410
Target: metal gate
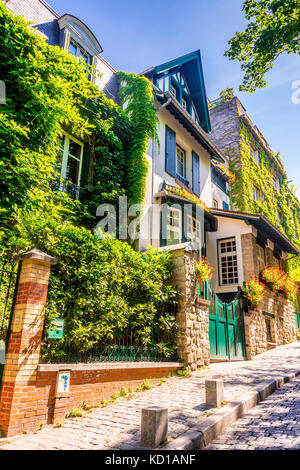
8 275
226 327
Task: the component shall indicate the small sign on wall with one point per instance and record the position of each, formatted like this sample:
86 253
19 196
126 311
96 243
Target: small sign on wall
56 329
63 382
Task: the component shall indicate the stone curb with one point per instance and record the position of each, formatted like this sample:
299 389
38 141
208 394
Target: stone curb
201 435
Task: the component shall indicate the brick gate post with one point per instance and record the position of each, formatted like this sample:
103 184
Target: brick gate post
24 342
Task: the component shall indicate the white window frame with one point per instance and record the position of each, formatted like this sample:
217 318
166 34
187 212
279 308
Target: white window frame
224 258
256 193
173 91
184 104
255 155
66 154
79 49
182 154
177 229
194 230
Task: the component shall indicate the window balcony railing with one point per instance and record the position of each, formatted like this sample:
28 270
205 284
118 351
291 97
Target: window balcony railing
65 186
182 180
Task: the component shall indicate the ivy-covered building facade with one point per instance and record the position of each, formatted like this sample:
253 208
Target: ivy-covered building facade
261 184
198 166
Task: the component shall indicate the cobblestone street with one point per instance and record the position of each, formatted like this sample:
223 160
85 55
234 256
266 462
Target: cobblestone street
274 423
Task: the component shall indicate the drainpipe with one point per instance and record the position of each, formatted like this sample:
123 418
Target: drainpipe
152 157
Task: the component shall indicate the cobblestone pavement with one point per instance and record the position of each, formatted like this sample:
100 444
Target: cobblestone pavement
117 425
272 425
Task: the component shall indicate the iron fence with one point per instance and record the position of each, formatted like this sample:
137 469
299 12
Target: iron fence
125 346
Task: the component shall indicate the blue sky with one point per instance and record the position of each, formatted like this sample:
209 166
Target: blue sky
136 34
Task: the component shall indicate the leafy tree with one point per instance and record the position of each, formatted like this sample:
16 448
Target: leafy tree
273 28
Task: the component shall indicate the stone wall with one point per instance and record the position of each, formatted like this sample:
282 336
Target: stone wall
274 307
282 324
225 131
192 312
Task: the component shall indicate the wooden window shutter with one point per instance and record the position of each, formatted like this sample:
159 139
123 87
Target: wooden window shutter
170 162
85 165
196 173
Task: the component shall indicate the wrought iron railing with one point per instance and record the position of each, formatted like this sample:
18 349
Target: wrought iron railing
65 186
7 287
125 347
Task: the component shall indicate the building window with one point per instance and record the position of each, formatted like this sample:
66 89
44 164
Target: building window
228 262
78 52
70 159
256 193
180 161
174 230
215 204
194 231
255 155
184 105
173 91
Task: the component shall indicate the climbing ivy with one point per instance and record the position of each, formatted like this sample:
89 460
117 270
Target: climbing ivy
248 174
136 95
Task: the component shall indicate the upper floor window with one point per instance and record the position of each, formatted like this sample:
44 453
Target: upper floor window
184 105
256 194
180 161
276 183
215 203
255 154
173 91
228 268
78 52
70 159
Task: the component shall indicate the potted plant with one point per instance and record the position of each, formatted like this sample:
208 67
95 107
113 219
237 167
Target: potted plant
254 291
204 271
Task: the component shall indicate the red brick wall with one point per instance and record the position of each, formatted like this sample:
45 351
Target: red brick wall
35 403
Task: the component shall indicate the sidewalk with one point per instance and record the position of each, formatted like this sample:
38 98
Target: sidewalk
117 425
273 424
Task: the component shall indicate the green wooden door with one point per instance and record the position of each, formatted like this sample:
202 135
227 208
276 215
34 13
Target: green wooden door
226 328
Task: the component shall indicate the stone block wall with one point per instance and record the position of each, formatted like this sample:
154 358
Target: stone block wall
192 312
279 309
282 323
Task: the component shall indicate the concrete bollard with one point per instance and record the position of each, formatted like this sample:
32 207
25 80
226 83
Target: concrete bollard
214 392
154 426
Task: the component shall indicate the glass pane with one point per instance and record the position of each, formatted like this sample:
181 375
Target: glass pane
73 49
72 173
172 238
75 149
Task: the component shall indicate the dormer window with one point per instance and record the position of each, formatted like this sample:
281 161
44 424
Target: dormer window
78 39
78 52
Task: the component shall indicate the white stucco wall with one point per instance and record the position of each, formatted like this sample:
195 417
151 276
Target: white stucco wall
227 228
219 196
157 174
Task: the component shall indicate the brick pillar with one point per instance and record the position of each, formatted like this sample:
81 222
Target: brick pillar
23 349
192 312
